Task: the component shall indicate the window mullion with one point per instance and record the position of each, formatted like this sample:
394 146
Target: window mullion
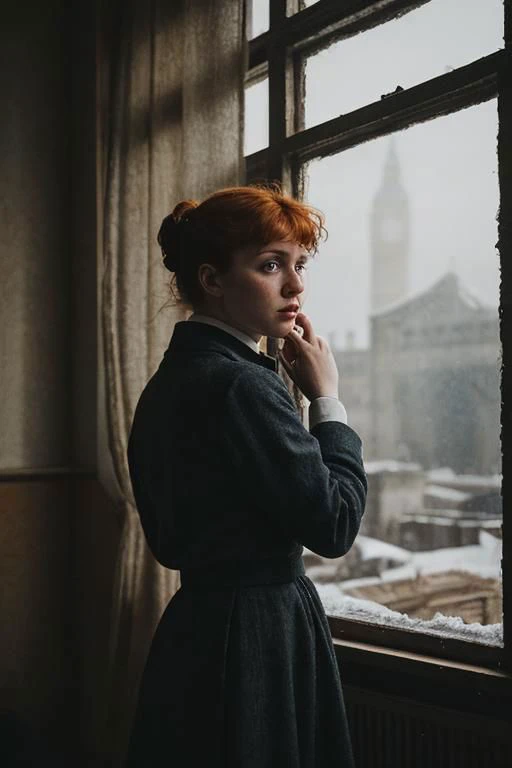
329 20
446 93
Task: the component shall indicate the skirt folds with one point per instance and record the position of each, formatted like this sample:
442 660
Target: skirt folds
242 677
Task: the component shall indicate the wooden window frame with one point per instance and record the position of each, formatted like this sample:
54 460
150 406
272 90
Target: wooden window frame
279 55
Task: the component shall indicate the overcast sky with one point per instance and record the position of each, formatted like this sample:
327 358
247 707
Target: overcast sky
448 165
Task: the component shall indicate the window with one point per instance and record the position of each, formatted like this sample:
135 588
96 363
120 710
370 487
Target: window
400 144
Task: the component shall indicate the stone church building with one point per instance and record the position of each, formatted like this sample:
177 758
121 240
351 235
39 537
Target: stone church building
427 389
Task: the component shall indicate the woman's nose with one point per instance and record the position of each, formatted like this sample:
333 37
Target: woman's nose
293 285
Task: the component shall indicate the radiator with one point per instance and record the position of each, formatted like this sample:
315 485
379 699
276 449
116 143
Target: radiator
393 732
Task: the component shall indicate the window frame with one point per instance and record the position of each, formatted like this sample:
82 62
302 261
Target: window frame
279 54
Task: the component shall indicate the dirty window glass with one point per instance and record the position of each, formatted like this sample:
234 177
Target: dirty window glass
406 291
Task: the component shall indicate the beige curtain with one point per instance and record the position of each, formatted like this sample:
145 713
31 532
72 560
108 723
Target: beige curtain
173 77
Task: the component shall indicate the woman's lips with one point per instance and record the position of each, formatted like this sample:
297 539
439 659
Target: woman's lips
289 315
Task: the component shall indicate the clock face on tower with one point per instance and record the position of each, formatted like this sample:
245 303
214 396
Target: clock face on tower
391 230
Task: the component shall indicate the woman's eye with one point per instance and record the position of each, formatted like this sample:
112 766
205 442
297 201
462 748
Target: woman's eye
267 266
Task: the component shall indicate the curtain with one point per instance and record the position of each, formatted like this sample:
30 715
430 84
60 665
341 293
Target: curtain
172 74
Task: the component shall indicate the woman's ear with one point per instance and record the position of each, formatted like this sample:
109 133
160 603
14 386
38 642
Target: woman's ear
209 280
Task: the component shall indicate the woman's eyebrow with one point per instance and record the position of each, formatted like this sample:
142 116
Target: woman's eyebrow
280 252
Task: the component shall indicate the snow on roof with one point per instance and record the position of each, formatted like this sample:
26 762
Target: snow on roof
469 523
490 481
370 548
390 465
429 519
446 475
483 559
337 604
440 492
492 523
444 513
440 473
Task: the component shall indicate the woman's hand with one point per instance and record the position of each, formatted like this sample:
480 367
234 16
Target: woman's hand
309 362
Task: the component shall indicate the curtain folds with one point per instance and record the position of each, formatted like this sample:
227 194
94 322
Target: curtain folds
173 75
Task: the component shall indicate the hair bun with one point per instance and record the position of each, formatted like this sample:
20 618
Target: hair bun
171 232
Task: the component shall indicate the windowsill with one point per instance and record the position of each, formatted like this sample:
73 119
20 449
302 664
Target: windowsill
392 658
369 670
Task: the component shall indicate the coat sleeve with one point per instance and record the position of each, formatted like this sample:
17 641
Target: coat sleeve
314 483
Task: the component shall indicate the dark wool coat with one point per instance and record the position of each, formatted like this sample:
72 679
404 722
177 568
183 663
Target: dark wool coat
229 485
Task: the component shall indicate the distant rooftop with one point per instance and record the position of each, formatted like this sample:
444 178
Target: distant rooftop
448 281
390 465
444 476
440 492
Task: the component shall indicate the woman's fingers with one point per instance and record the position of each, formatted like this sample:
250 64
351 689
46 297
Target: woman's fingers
296 342
306 325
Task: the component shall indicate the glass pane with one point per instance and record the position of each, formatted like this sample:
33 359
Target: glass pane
305 4
358 70
406 290
258 12
256 117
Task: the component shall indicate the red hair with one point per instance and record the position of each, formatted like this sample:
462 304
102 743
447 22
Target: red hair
227 221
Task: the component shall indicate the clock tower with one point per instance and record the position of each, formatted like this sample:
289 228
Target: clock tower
389 234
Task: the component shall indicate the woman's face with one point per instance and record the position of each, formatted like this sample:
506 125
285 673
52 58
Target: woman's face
259 285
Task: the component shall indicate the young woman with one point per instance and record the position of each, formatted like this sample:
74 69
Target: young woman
230 485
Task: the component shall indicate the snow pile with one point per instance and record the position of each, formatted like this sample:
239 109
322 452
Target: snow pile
449 494
370 548
483 559
337 604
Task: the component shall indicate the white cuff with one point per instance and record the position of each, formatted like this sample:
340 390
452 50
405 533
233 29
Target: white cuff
326 409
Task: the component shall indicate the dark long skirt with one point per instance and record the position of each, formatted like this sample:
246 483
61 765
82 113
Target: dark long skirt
242 677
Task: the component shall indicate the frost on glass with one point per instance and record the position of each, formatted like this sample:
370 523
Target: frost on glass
429 41
256 117
406 291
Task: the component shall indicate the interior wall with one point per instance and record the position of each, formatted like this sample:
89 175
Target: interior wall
58 531
35 236
35 439
48 239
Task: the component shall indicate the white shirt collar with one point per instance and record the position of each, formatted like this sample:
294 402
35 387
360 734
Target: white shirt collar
196 317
